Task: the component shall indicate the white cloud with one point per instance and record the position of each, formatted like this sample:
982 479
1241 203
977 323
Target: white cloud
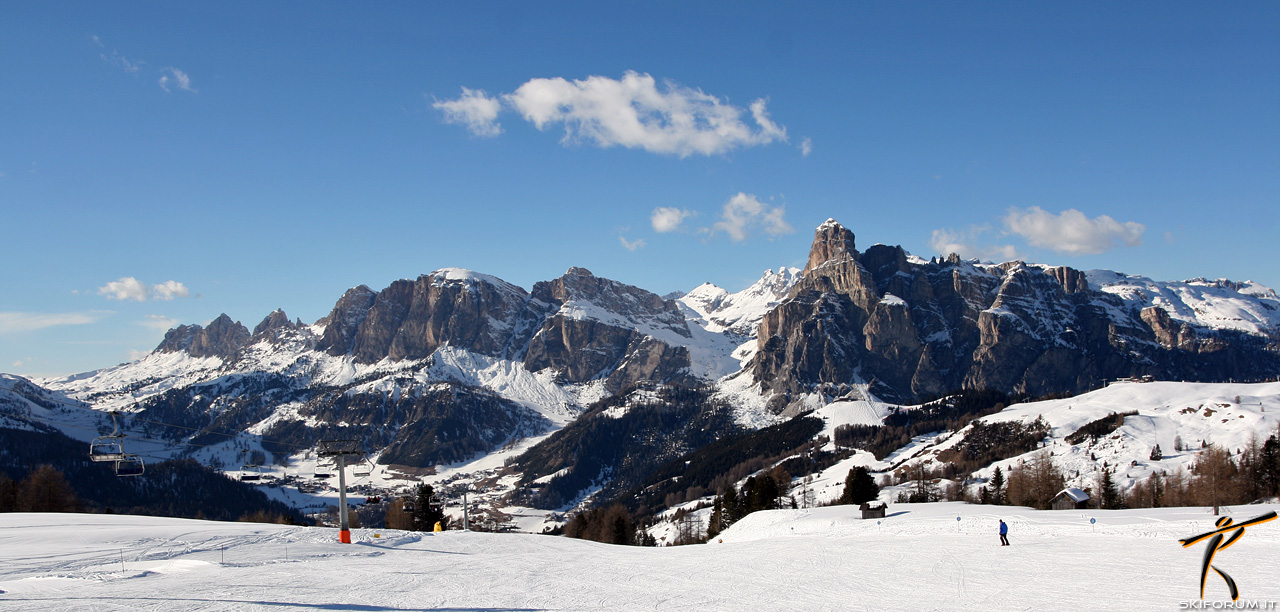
177 78
11 322
1071 231
127 288
475 110
668 218
806 147
744 213
631 245
122 62
158 322
130 288
115 59
967 244
633 112
169 290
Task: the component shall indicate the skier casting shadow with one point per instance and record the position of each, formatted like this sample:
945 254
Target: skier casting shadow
1004 533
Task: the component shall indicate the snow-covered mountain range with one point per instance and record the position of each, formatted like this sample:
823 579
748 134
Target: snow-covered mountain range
457 372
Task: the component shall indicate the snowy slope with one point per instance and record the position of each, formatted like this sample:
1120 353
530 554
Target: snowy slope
1218 304
1225 414
717 310
919 558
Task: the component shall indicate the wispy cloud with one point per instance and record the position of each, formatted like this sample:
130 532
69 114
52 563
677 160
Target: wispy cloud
632 112
744 214
668 218
158 322
129 288
115 59
12 322
172 77
1071 231
475 110
631 245
806 147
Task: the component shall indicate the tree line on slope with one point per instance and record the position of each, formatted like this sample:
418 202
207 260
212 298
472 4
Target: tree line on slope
179 488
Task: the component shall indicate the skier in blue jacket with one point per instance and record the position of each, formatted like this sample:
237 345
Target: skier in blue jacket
1004 533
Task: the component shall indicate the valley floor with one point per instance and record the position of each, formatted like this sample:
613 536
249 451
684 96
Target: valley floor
919 558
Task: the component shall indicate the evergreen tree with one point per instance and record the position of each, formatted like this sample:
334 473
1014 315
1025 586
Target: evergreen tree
427 510
8 494
1269 467
715 523
997 487
733 509
619 526
859 487
1109 494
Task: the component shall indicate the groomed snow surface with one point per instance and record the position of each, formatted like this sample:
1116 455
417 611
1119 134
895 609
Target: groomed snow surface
918 558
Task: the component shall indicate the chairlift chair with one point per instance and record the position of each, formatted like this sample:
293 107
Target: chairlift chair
250 473
109 447
362 469
321 471
106 448
130 465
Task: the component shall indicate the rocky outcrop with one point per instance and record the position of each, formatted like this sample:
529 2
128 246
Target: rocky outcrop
222 338
343 322
602 329
915 329
275 323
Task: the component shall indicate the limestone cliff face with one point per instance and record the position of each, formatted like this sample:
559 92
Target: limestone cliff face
343 322
222 338
411 319
581 326
920 328
603 329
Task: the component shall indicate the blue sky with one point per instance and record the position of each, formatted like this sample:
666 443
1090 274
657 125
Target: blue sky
164 163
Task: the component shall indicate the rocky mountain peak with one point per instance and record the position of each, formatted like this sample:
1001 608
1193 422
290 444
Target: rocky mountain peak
344 320
832 242
222 338
276 320
580 285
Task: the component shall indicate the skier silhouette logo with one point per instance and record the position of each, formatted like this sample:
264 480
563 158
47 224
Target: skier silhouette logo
1216 544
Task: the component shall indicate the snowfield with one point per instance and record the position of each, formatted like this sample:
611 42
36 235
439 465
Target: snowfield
918 558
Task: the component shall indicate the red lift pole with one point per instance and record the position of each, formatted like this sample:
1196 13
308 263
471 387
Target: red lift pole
340 450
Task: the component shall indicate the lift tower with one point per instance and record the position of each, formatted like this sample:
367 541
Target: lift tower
340 450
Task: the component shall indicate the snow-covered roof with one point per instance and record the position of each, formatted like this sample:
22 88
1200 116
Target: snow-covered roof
1075 494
